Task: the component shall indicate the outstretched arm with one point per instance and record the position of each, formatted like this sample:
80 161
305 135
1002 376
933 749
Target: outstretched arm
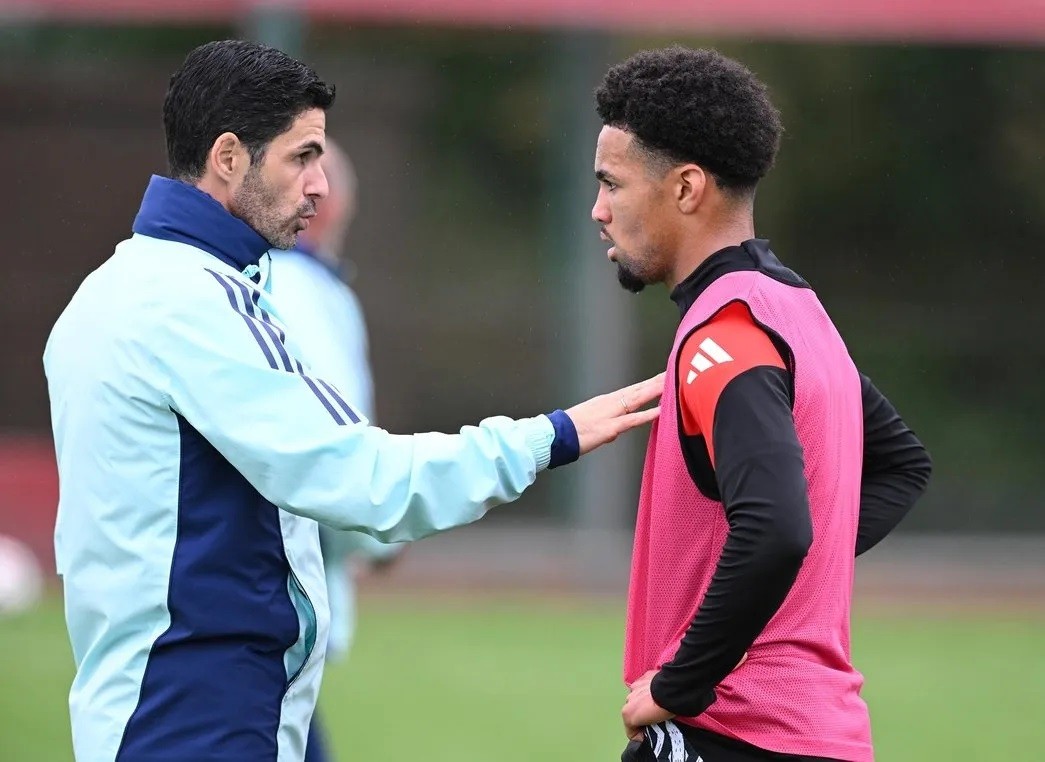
294 437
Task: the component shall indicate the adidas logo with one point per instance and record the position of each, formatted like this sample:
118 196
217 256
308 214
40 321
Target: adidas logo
710 355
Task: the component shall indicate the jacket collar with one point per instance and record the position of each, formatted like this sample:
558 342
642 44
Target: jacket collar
175 211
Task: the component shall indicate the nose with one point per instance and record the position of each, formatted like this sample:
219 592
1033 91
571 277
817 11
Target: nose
316 185
600 213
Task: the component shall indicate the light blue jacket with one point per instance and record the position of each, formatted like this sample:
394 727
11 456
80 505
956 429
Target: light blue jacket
196 453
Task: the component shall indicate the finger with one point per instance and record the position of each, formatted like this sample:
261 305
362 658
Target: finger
638 418
637 698
643 392
644 680
631 727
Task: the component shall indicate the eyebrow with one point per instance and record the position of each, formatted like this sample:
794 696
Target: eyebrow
603 176
311 145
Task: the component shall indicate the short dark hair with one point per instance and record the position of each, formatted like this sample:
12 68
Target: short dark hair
694 106
235 86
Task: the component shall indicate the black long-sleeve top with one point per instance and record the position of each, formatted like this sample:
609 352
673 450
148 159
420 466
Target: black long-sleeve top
753 465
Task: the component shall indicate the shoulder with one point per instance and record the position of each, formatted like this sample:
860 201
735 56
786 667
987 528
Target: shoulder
203 301
728 344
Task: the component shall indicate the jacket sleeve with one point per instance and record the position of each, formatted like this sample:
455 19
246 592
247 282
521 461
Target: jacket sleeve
229 374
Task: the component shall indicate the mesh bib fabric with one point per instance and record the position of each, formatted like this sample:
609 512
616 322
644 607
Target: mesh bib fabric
797 692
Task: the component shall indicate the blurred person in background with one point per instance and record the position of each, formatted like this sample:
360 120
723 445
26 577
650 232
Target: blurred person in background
196 452
776 462
323 313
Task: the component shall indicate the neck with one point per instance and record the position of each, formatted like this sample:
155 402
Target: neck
176 211
705 241
216 190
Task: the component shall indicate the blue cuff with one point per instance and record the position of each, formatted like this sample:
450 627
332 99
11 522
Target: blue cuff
566 447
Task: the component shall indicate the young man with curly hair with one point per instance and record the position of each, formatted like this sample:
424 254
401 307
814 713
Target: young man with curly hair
775 461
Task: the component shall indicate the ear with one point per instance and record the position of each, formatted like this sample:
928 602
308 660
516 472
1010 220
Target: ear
227 156
690 185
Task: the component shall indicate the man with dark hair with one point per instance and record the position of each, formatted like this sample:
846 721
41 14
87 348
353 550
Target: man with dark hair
196 450
776 463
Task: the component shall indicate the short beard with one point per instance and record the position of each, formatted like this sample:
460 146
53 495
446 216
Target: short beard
628 280
256 204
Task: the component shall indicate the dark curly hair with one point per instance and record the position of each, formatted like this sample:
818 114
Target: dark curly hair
696 106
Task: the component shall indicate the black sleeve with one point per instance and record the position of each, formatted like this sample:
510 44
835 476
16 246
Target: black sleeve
759 469
896 469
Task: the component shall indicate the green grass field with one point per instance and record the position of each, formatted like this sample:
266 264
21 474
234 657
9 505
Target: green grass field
528 681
